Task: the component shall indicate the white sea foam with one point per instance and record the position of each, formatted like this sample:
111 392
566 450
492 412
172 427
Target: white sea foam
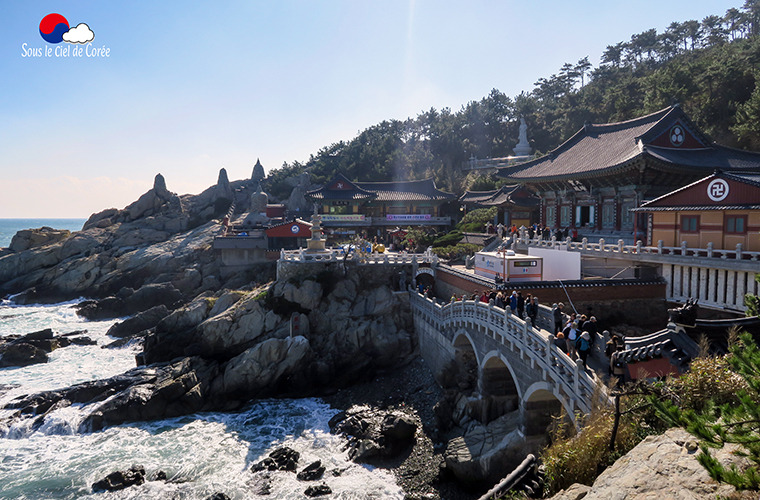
201 454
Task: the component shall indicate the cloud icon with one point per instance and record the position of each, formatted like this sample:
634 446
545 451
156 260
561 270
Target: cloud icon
79 34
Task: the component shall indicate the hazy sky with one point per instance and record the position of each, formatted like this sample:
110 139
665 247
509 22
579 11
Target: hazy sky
190 87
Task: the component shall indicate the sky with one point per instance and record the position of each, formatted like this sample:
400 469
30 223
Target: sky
184 88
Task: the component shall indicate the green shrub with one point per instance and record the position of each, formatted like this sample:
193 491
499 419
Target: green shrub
475 220
582 457
449 239
456 251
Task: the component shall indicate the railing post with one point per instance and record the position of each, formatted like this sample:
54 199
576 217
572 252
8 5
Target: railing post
601 244
638 247
577 377
738 251
710 249
659 247
683 248
549 345
621 244
584 243
568 240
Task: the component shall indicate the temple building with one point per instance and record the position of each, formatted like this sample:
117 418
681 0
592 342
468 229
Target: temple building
722 210
515 204
595 179
376 207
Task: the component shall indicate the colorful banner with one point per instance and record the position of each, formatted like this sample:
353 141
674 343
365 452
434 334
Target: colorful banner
399 217
343 218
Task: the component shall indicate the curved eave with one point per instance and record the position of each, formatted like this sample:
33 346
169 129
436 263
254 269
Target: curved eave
681 208
601 172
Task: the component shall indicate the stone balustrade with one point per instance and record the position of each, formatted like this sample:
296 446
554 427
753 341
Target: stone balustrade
335 255
717 278
568 381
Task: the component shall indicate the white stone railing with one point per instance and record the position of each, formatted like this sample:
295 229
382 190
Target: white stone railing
718 279
335 255
639 249
508 330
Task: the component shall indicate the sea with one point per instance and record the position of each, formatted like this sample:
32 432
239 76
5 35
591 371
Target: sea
201 454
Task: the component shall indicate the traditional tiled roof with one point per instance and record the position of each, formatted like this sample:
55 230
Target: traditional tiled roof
348 191
664 203
663 349
603 149
506 195
422 190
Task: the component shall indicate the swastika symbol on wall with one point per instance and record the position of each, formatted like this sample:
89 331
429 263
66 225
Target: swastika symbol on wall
717 190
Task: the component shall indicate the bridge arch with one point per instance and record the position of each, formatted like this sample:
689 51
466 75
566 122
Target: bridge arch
500 392
467 362
540 404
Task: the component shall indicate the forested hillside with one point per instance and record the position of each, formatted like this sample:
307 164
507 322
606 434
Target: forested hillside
711 67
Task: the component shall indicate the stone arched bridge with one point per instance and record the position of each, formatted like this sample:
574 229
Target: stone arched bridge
507 361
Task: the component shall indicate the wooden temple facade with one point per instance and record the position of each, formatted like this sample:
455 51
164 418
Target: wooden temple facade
595 180
722 211
515 204
377 206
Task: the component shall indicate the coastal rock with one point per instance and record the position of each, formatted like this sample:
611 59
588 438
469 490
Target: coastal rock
138 323
376 433
227 300
119 480
261 367
153 294
317 491
484 452
284 458
101 219
152 201
218 496
21 354
312 472
307 295
662 466
186 317
32 238
237 326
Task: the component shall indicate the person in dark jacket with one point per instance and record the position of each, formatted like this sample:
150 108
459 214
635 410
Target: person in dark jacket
561 342
531 309
558 317
520 305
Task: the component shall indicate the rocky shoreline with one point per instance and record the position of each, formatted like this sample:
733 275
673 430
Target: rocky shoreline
410 388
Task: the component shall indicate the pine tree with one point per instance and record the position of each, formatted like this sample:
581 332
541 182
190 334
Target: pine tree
738 423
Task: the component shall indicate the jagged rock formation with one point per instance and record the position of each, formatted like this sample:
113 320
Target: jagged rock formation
258 174
34 238
218 352
160 238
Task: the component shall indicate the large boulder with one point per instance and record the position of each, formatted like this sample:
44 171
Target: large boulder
484 452
138 323
235 328
21 354
32 238
119 480
284 458
662 466
307 295
376 433
259 369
